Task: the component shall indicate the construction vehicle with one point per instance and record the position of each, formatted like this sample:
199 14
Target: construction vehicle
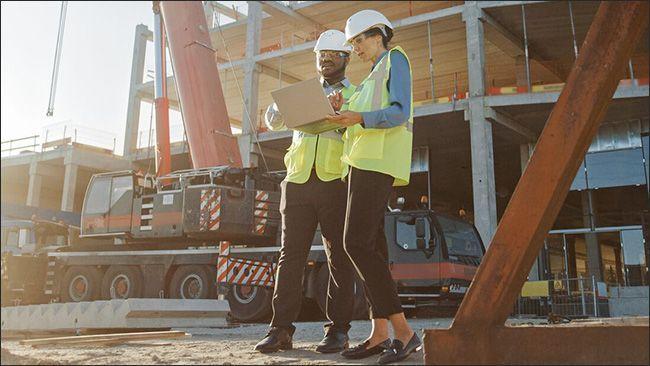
180 234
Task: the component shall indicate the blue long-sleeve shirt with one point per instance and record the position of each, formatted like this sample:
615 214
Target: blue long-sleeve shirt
399 95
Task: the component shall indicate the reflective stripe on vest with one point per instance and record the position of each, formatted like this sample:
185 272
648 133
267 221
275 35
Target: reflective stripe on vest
384 150
304 153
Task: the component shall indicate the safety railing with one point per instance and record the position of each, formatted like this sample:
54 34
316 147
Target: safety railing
571 298
60 134
63 133
147 138
21 145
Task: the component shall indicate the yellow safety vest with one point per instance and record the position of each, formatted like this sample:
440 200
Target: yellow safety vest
384 150
322 150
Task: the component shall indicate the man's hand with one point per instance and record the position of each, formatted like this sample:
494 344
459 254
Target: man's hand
347 118
336 100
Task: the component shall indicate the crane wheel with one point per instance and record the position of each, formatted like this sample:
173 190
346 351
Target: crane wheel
250 303
122 282
192 282
360 307
80 283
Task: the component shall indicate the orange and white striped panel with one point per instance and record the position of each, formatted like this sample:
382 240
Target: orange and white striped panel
260 212
260 225
203 214
215 211
210 214
222 262
247 272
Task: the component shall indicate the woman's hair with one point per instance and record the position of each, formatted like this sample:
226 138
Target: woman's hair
377 31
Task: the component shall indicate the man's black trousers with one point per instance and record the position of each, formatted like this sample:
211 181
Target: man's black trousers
303 207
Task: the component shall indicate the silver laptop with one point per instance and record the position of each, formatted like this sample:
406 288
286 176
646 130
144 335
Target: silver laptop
304 106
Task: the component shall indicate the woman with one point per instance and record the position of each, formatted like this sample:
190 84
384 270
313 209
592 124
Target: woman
377 148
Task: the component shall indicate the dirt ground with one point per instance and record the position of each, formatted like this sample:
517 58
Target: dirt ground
227 346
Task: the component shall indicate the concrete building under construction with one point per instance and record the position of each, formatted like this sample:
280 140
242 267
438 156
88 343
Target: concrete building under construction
486 75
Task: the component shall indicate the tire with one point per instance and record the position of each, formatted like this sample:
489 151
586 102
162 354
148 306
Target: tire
80 283
125 281
360 308
192 282
250 303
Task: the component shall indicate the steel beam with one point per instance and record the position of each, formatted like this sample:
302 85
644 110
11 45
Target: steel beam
478 334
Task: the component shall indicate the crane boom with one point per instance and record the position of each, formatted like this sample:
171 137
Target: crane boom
57 58
203 106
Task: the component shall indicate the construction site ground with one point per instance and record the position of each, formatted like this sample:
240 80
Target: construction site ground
226 345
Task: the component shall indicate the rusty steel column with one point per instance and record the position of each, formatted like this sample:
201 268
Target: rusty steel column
477 334
203 106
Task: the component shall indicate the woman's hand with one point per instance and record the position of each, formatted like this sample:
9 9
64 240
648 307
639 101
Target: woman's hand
336 100
347 118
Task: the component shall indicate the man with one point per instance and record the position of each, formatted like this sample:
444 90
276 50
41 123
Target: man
312 194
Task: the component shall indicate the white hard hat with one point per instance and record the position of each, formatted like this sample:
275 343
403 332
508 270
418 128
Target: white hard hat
333 40
363 20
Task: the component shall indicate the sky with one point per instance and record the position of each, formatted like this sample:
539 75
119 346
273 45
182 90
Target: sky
94 73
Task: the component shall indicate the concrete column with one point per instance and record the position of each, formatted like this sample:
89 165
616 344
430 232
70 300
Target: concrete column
69 187
137 74
251 81
591 239
525 152
34 189
485 209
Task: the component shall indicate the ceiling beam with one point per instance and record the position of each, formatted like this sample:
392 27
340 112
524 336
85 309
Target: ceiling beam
287 77
513 45
497 4
404 22
279 10
505 120
229 12
264 68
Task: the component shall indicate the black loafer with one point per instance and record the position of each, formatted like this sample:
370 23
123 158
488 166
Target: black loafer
276 339
398 352
333 342
362 351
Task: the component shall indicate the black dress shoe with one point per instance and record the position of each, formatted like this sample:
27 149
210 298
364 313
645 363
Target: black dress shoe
398 352
333 342
362 351
276 339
